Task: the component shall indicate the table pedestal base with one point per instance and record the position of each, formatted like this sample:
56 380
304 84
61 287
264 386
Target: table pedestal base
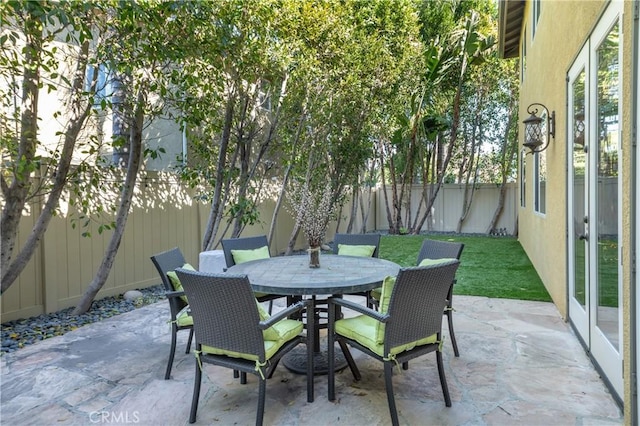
296 360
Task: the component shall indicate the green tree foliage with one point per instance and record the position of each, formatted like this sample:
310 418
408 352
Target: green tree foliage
336 94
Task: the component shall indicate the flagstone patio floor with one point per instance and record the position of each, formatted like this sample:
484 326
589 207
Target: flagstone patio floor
519 364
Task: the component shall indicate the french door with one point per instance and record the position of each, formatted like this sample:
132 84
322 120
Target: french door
594 189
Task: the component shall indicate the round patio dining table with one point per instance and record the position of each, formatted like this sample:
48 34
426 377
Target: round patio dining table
337 275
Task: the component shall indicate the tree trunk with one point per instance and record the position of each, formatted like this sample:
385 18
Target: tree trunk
469 182
455 122
355 200
80 112
15 193
292 240
216 206
287 173
126 197
392 230
509 150
279 201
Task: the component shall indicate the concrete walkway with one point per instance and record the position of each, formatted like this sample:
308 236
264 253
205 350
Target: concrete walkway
520 364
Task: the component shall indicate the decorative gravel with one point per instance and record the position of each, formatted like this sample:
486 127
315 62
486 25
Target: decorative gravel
19 333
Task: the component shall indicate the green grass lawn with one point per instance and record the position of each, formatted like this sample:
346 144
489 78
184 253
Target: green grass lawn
489 266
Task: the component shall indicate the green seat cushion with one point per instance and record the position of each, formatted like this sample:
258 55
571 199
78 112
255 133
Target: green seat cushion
184 317
286 329
241 256
429 262
356 250
363 329
175 281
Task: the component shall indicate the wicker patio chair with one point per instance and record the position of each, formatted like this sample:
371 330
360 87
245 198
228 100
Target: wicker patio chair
166 262
407 325
249 248
358 245
435 249
232 332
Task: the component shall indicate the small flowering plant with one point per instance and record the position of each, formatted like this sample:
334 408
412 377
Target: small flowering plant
312 212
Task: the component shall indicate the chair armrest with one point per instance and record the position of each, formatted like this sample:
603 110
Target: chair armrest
359 308
172 294
296 307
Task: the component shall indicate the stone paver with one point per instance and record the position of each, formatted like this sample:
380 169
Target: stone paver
520 364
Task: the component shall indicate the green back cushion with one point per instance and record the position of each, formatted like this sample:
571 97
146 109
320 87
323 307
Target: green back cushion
355 250
241 256
175 281
385 298
429 262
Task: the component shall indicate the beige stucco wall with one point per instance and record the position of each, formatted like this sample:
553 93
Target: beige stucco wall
563 28
560 34
628 199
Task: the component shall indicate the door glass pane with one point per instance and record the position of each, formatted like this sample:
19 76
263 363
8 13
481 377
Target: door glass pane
607 186
579 189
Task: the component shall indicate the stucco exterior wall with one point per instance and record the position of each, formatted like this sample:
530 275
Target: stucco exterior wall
628 201
562 30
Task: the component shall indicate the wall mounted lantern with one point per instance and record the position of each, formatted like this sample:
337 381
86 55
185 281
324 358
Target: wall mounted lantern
538 129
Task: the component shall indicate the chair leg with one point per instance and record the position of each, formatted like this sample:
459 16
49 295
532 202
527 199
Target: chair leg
369 301
452 334
449 313
236 374
405 365
174 332
272 369
261 396
243 378
331 374
388 383
310 343
270 306
189 341
352 364
315 317
443 379
196 393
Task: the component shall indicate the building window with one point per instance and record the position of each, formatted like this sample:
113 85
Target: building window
523 179
523 56
537 4
103 89
540 182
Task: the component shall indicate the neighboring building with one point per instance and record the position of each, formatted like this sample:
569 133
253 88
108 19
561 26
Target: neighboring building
578 216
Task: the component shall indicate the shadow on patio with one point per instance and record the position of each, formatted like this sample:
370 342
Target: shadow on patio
519 364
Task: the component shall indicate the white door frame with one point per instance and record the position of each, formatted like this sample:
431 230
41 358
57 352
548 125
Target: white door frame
605 355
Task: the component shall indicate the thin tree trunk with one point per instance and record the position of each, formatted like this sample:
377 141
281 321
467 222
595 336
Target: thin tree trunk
126 197
365 209
355 198
73 128
279 201
216 206
469 183
509 150
15 194
392 230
